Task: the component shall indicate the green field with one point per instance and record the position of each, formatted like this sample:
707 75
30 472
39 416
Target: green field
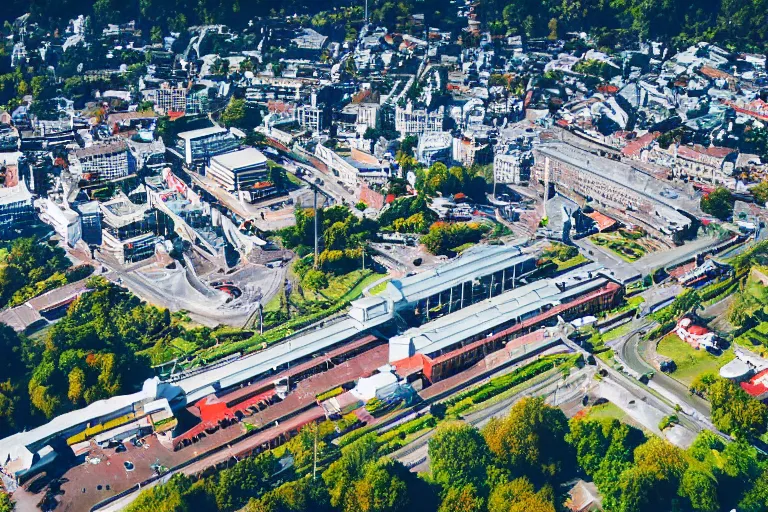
690 362
606 411
570 263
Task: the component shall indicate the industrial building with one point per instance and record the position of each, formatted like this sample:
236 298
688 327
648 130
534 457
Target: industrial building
479 273
342 349
446 346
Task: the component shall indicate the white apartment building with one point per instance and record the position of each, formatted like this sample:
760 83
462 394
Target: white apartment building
410 121
310 117
368 115
63 220
513 168
359 168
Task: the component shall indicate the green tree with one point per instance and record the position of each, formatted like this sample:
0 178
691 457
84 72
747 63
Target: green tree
462 499
458 455
519 496
530 440
382 488
718 203
6 505
234 113
246 479
700 487
315 280
156 34
760 192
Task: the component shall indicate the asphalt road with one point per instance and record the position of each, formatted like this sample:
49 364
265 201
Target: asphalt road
634 351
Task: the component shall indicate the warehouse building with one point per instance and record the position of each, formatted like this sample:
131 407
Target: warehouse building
480 273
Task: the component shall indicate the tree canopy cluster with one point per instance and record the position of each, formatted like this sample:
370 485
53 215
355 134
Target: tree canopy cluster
718 203
28 263
518 463
341 233
103 346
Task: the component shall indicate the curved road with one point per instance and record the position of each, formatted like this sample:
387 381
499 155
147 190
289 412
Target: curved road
634 350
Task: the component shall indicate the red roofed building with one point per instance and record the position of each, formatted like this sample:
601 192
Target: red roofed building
695 335
709 165
757 387
714 73
371 198
636 147
608 89
604 222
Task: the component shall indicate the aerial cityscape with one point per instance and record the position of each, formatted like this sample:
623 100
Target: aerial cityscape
378 256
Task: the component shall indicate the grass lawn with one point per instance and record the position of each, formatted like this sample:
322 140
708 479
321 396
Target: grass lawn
576 260
624 246
606 411
379 288
617 332
607 357
690 362
293 179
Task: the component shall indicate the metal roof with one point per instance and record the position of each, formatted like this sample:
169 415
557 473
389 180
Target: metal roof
293 349
475 262
478 318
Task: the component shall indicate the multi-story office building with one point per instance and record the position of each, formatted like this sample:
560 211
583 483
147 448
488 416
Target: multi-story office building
90 220
103 161
434 147
415 121
16 208
199 146
129 229
238 170
169 99
513 168
472 149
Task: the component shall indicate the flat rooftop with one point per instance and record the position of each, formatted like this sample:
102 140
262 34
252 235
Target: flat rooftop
104 148
242 159
202 132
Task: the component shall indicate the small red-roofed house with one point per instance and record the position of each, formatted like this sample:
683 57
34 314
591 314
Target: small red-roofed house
695 335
